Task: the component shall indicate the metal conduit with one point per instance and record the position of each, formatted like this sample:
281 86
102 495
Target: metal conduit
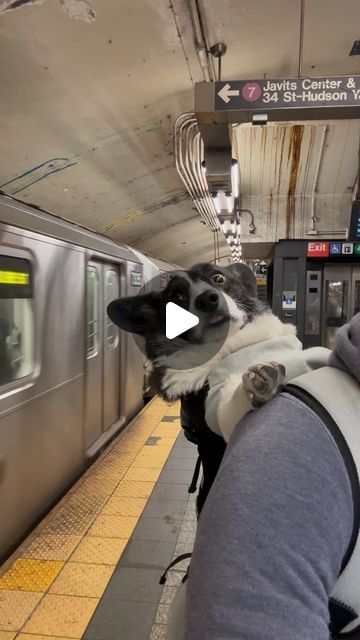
185 174
201 41
189 154
198 156
208 203
185 164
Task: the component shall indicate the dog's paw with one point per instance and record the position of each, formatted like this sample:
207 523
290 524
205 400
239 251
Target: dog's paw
263 381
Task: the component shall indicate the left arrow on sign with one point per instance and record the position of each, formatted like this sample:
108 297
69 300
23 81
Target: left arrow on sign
226 92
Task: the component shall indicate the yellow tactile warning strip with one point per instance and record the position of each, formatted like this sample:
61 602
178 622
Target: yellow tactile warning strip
51 586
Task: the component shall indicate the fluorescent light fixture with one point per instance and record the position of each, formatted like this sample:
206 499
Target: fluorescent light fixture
260 118
217 204
220 201
228 226
235 179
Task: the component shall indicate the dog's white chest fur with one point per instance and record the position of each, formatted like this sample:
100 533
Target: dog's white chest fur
179 379
264 339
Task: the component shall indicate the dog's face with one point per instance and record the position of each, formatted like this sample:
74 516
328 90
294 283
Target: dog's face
223 298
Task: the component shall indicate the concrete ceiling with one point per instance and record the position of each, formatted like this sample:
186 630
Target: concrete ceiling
90 91
309 172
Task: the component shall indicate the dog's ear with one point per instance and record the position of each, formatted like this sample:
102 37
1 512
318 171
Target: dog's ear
245 277
138 314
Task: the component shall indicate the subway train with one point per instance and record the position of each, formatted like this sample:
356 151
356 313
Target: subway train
69 380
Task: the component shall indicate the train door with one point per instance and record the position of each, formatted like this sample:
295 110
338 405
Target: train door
111 351
102 351
341 298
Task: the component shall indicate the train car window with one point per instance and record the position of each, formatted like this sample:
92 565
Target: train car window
92 311
16 319
163 280
112 292
357 297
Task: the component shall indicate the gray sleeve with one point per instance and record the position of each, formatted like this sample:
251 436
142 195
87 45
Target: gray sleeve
273 531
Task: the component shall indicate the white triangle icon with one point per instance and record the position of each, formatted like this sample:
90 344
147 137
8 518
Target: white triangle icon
178 320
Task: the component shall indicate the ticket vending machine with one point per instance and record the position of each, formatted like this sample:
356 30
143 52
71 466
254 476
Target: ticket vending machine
316 286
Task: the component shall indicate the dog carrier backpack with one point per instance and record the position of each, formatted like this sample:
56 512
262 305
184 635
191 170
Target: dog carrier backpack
211 447
340 413
335 397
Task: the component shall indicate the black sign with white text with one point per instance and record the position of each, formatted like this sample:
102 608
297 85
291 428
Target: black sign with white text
354 234
290 93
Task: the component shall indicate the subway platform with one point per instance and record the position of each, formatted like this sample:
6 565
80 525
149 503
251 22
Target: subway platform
91 568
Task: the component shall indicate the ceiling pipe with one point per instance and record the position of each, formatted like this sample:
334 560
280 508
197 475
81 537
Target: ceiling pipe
188 158
301 37
201 41
330 232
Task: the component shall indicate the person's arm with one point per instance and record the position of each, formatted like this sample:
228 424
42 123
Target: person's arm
273 532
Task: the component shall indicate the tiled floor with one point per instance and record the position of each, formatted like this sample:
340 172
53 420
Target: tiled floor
91 569
134 605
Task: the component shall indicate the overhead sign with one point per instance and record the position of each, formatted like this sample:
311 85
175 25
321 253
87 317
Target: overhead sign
262 268
347 248
178 320
318 249
339 91
334 249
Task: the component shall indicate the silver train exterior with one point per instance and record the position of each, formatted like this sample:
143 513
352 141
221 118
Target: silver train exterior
155 271
156 276
68 379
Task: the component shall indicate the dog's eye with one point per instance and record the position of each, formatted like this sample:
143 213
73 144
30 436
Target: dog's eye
178 298
218 278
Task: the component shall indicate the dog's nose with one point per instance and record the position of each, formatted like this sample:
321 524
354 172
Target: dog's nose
207 301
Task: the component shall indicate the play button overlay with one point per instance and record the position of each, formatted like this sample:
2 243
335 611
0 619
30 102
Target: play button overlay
178 320
185 337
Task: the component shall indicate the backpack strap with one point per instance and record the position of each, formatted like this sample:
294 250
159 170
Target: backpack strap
341 614
195 478
313 404
183 556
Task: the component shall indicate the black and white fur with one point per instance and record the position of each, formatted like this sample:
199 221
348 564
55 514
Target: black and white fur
176 368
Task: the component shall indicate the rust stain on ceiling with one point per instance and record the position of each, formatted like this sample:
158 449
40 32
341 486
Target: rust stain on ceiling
294 153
